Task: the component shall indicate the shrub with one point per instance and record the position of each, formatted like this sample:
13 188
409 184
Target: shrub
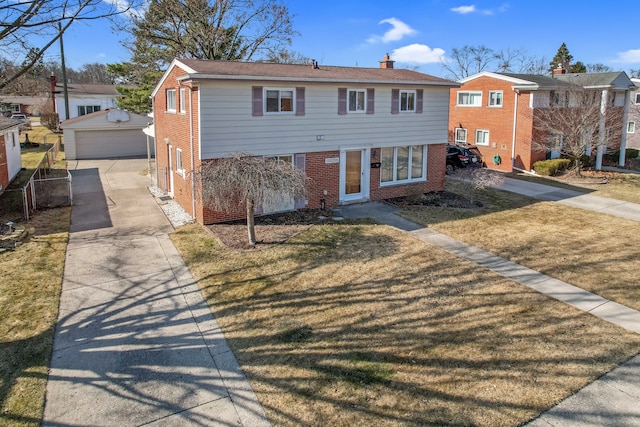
51 121
551 167
631 153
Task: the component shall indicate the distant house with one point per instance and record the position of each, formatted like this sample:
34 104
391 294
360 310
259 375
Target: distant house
83 98
10 161
359 134
15 104
105 134
633 131
495 111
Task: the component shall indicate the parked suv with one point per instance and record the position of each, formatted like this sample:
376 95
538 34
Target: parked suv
461 157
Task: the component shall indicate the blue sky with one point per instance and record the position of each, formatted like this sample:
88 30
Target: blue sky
417 34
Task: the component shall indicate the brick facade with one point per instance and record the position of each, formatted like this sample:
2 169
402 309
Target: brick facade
499 121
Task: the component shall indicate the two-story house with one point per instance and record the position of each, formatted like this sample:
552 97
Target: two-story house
496 111
358 133
633 132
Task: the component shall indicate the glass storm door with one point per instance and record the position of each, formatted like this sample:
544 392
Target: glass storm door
353 180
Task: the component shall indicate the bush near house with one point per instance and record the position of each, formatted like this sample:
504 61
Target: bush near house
551 167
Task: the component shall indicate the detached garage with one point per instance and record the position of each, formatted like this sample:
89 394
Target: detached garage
105 135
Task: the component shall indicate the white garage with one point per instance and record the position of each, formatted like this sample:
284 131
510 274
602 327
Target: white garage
105 135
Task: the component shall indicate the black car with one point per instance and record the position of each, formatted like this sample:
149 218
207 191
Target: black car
461 157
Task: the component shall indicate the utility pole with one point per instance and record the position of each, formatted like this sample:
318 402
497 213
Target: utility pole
64 74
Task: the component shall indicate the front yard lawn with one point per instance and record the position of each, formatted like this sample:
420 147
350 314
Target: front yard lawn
596 252
29 295
349 325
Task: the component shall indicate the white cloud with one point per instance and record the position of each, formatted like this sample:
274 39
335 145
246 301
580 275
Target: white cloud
629 57
463 10
125 7
399 30
418 54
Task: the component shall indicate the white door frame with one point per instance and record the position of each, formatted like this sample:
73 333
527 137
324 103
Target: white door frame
170 192
363 195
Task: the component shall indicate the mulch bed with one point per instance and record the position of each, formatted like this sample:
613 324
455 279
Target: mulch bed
270 229
446 199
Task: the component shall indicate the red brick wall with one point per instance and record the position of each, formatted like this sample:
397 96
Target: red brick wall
499 122
176 128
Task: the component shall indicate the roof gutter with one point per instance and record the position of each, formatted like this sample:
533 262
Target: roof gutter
209 77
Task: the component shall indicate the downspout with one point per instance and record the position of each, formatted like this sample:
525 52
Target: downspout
193 164
513 138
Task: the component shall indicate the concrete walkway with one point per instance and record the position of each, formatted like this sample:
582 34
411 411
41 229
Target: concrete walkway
576 199
614 399
135 342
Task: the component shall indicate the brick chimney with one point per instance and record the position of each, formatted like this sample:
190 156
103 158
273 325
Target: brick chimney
559 70
54 80
386 62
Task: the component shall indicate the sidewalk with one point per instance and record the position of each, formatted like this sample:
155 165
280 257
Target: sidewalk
135 342
614 399
572 198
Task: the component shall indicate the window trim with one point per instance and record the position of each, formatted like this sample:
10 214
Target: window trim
364 104
489 99
15 108
484 144
631 127
637 98
179 167
469 92
183 101
460 140
169 98
280 90
394 171
415 100
85 108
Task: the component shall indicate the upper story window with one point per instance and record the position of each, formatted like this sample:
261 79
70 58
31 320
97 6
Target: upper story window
482 137
460 136
357 100
183 101
279 100
637 98
87 109
408 100
171 100
470 99
495 98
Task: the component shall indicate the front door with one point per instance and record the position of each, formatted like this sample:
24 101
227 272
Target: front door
354 184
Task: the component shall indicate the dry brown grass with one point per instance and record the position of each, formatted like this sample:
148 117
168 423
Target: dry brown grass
29 295
596 252
363 325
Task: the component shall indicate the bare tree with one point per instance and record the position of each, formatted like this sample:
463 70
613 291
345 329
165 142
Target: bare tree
24 22
478 179
468 60
250 181
574 121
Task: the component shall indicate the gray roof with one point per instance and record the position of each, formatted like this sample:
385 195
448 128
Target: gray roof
616 80
539 81
6 123
76 88
294 72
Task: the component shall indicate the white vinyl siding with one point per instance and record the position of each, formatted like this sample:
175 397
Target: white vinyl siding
228 125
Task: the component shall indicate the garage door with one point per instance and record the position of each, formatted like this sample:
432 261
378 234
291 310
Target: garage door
108 144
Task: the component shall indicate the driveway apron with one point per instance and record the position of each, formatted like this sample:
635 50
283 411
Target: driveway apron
135 342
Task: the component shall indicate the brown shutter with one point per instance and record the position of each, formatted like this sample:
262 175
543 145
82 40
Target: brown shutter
342 100
299 162
395 101
299 101
257 101
419 97
370 100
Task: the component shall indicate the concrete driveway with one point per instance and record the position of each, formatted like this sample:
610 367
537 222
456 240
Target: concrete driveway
135 342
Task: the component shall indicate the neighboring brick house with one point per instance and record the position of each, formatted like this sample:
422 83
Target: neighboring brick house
495 111
358 133
10 160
